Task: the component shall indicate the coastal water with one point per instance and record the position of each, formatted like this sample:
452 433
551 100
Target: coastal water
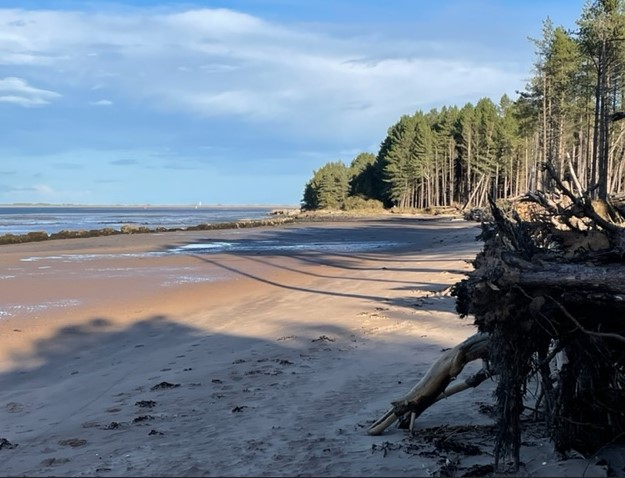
51 219
38 280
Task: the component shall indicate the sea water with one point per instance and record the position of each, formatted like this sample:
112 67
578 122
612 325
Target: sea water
51 219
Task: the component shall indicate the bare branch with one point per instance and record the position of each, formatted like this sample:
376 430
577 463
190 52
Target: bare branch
604 335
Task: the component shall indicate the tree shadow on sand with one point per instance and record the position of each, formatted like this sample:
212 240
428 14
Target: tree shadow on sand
161 398
384 250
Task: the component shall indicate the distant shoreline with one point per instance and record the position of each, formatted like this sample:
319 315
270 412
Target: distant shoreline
281 216
39 236
39 223
150 206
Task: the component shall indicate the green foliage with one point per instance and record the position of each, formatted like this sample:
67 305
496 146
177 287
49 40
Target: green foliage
359 203
328 188
364 176
409 147
397 159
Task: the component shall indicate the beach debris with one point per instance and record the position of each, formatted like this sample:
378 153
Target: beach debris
449 467
142 418
14 407
90 424
284 362
323 338
145 403
164 386
547 295
239 408
4 443
54 461
112 426
487 409
286 337
385 447
451 445
73 442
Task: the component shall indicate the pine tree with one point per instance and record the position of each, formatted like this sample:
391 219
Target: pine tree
601 38
328 188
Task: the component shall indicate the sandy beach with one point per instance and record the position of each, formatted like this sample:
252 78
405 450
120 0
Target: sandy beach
251 352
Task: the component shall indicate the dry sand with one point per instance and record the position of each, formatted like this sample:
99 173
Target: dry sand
119 359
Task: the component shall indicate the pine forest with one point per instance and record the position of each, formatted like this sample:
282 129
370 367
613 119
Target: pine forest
568 116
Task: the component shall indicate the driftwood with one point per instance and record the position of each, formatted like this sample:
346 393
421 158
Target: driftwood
433 386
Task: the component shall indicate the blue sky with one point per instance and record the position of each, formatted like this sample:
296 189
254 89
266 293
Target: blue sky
235 102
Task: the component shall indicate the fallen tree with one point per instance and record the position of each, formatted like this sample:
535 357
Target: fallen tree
547 295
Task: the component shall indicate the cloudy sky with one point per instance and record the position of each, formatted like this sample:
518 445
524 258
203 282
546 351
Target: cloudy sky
235 102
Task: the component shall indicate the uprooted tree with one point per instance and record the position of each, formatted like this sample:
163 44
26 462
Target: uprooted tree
548 290
548 297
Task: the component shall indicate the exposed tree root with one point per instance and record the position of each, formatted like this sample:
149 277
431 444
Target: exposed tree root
433 386
548 297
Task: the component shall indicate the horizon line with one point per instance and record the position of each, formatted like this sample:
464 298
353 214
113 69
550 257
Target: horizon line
144 205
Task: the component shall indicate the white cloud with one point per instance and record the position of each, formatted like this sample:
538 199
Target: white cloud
18 91
238 65
101 103
44 190
46 193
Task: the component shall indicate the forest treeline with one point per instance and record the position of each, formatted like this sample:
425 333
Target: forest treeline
568 115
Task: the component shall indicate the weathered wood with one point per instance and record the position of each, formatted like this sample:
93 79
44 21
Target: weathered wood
470 382
585 277
432 387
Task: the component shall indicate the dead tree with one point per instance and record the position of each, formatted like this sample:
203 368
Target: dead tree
547 295
550 281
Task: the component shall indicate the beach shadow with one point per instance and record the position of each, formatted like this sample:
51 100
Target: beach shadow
331 246
283 285
157 396
410 301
